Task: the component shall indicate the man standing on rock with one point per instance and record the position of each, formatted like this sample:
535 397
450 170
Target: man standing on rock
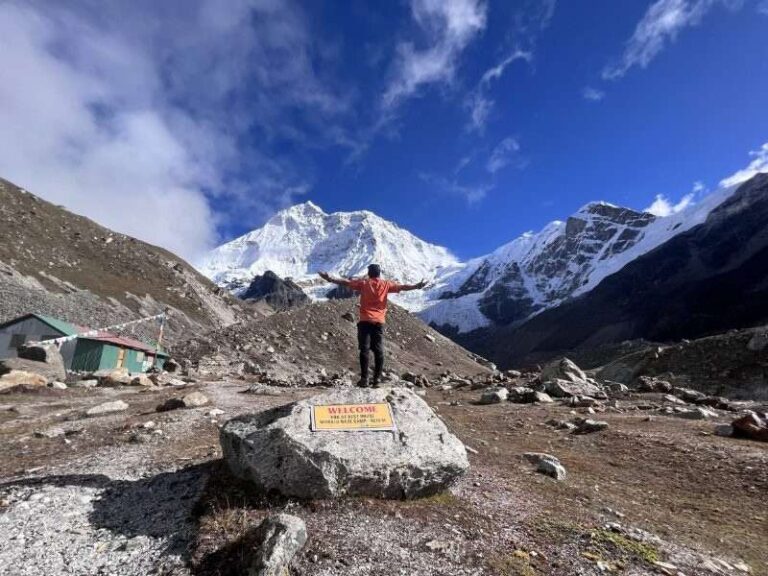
373 311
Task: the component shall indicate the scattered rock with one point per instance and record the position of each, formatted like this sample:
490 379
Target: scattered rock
616 388
429 337
56 385
565 388
50 433
560 424
116 377
648 384
589 426
107 408
142 380
553 469
193 400
546 464
46 353
495 396
85 384
16 378
279 537
688 395
563 369
278 451
697 414
758 342
751 426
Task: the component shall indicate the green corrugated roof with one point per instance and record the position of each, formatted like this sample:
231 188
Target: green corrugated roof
63 327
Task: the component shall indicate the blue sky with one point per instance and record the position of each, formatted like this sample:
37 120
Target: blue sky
468 122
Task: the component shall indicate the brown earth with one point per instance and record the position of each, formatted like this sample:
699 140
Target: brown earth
703 496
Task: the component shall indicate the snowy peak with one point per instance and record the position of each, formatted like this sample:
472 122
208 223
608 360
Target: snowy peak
302 240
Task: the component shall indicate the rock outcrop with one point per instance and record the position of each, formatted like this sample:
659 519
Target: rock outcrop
278 451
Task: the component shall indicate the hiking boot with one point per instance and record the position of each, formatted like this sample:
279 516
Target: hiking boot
362 383
375 383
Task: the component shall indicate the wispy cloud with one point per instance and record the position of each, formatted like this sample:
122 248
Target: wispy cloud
480 104
446 27
663 206
532 17
135 113
762 7
758 164
592 94
660 25
471 193
505 153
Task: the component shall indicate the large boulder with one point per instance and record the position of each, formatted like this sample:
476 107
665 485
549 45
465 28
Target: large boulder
563 369
46 353
562 378
277 450
565 388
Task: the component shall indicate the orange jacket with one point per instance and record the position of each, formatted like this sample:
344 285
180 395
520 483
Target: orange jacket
373 297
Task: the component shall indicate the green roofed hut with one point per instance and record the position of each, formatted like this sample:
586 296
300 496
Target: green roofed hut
82 348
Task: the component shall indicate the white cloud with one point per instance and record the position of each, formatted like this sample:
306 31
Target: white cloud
762 7
506 152
478 102
447 26
660 25
757 165
662 206
133 114
592 94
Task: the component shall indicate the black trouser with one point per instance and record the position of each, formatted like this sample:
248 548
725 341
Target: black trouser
370 336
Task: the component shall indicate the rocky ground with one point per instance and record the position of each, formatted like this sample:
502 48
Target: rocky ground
318 342
143 492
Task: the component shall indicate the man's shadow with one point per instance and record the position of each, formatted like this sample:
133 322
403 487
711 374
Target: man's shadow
160 506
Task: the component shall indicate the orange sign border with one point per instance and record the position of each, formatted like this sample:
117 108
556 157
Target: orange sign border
314 428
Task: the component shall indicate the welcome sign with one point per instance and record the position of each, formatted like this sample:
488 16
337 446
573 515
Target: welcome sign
351 417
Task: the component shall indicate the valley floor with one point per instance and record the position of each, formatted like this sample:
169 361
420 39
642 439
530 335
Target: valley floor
116 495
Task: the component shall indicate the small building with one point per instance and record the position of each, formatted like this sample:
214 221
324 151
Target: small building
106 351
84 349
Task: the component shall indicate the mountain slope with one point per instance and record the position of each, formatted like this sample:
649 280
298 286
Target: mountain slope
58 263
707 279
533 273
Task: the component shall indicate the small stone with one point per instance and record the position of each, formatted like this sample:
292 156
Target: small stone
429 337
553 469
107 408
215 412
50 433
495 396
589 426
58 385
280 537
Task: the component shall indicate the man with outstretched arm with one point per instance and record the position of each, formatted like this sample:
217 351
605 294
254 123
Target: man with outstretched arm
373 311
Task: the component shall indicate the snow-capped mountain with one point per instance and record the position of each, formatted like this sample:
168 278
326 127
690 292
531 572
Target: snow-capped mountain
301 241
532 273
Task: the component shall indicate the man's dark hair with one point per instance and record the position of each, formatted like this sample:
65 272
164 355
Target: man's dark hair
374 270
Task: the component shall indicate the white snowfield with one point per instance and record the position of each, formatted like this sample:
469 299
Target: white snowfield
539 270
